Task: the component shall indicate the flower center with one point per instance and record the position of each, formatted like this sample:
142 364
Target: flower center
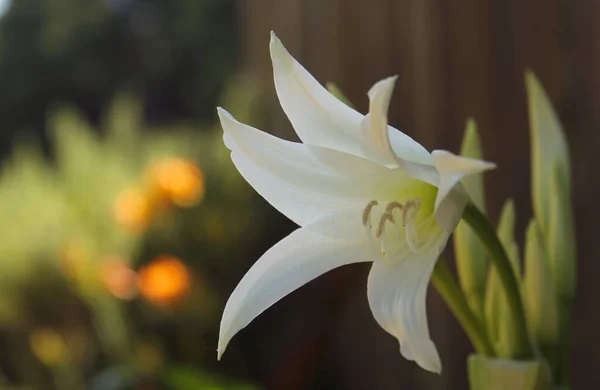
398 230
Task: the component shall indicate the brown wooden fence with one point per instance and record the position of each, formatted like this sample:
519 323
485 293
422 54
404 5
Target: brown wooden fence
453 59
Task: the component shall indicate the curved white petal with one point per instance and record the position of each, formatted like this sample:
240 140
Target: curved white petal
407 149
397 292
303 182
318 117
294 261
451 197
383 142
374 127
321 119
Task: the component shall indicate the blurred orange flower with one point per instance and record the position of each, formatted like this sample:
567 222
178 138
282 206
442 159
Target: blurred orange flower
165 280
133 209
179 180
118 278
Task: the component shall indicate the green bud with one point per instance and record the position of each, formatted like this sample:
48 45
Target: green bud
468 248
539 292
335 91
501 374
560 237
497 313
548 145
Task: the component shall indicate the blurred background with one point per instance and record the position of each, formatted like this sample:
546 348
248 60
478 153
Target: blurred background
124 225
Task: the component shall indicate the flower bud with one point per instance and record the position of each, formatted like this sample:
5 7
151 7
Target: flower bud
560 238
548 147
497 311
538 289
468 248
551 186
337 92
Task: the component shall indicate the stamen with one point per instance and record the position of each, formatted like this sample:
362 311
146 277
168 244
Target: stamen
411 232
388 215
410 228
366 217
380 229
415 205
390 209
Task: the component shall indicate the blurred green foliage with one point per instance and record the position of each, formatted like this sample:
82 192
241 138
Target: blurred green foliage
58 230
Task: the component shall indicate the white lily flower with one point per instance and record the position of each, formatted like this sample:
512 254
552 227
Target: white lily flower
361 191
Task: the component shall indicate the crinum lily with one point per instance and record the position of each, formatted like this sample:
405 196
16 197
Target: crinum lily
361 191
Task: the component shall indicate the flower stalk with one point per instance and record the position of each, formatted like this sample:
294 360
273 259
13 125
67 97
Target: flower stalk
485 231
449 290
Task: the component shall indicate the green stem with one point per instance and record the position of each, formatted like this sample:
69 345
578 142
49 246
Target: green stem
485 231
562 371
452 294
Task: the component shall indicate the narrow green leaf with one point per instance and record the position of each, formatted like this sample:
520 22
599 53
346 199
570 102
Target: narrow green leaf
497 313
468 249
337 92
548 145
560 238
539 292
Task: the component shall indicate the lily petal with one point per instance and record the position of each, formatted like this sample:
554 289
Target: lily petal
303 182
318 117
382 142
294 261
451 197
321 119
397 293
374 127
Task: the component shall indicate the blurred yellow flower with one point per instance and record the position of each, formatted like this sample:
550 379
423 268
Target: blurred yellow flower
165 280
133 209
118 278
48 346
75 259
179 180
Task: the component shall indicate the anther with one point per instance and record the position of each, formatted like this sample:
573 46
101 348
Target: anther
411 204
390 209
385 217
388 215
367 212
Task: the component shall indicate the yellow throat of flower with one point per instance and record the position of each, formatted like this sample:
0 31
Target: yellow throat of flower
403 227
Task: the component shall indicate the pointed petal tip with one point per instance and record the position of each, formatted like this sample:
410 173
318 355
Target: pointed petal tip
220 352
274 42
224 115
389 79
488 165
387 83
449 162
280 56
432 364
